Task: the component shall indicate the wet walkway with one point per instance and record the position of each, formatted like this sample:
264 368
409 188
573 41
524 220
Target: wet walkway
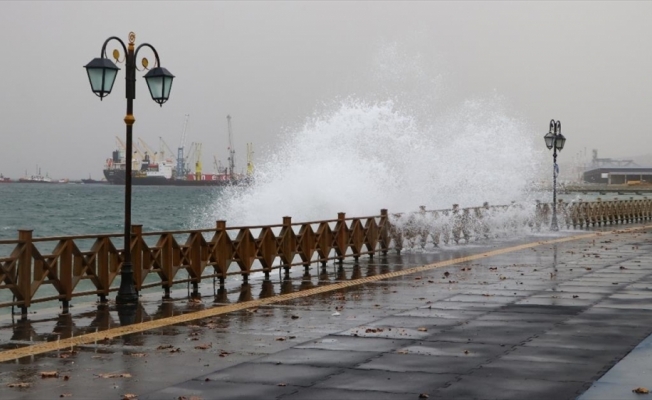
502 320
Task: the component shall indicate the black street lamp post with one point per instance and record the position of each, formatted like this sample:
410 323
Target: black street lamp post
101 75
554 141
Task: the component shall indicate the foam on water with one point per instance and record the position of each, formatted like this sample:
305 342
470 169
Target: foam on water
395 151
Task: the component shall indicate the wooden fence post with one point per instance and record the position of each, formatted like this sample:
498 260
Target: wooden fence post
25 270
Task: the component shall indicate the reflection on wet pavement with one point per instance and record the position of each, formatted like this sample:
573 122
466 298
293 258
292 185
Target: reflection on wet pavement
507 307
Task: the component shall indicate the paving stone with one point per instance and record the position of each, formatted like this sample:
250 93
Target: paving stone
349 343
472 298
547 371
431 323
464 305
631 332
492 332
342 394
543 309
549 301
610 391
423 363
455 349
319 358
272 374
561 355
511 317
595 343
216 390
428 311
369 331
632 304
473 387
386 381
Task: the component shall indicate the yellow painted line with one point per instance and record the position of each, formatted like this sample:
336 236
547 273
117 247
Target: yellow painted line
45 347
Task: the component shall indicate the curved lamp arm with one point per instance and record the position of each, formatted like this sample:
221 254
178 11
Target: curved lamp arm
103 54
158 60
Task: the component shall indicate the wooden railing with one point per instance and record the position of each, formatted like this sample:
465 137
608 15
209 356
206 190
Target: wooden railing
162 255
159 258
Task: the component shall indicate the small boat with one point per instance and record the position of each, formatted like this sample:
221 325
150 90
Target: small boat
38 178
93 181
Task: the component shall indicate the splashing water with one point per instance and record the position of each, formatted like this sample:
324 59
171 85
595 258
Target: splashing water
361 155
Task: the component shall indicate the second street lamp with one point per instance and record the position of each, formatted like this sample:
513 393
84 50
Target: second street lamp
101 75
554 141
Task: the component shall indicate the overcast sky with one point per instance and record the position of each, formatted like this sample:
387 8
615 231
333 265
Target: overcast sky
271 65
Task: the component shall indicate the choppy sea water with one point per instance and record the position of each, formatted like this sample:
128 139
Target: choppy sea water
77 209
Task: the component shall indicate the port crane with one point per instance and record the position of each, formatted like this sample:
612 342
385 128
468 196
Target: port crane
135 164
180 160
198 162
163 146
250 159
153 154
231 149
218 165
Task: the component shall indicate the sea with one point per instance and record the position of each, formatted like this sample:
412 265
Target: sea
79 209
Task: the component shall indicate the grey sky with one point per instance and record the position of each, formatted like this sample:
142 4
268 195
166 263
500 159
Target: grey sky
271 64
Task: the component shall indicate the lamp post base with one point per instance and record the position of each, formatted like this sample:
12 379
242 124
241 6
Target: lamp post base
127 293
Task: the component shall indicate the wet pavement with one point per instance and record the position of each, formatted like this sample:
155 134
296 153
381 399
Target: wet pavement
544 322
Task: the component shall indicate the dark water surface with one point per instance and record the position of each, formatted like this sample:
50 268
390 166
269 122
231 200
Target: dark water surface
76 209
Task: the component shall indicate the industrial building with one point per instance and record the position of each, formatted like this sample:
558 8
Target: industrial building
610 171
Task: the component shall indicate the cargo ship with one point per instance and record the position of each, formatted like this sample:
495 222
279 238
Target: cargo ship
163 173
152 168
4 179
38 178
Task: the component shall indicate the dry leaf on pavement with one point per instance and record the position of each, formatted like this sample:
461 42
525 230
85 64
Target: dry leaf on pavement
122 375
21 385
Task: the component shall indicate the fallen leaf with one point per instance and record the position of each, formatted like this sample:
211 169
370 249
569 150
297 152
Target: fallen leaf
282 384
164 346
280 339
295 317
20 385
204 346
423 396
49 374
641 390
423 329
122 375
66 378
138 354
128 396
65 395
